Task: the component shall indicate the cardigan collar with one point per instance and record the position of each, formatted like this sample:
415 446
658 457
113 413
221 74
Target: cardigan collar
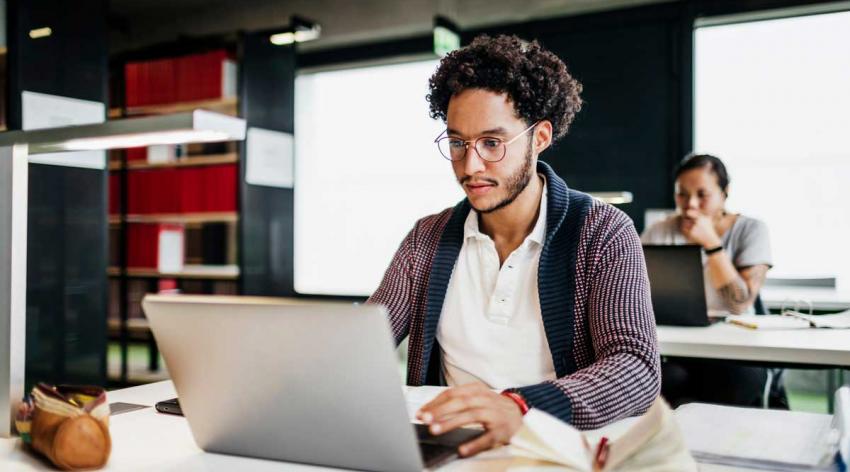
556 274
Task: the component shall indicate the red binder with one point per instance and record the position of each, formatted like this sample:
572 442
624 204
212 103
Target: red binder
137 154
155 246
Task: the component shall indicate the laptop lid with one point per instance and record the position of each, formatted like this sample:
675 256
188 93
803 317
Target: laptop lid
312 383
677 285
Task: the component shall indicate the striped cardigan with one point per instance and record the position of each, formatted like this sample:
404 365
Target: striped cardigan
594 302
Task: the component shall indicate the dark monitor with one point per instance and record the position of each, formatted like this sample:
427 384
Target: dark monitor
677 286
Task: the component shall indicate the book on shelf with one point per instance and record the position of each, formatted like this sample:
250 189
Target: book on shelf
189 78
182 190
155 246
791 319
136 290
167 286
114 194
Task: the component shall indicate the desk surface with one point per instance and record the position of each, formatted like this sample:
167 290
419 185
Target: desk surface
724 341
147 440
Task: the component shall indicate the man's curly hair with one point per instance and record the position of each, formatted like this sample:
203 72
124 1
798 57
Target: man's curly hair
535 80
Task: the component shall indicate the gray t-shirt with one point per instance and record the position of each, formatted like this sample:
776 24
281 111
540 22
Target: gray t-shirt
747 242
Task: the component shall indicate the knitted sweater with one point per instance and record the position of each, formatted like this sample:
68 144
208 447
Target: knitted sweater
594 301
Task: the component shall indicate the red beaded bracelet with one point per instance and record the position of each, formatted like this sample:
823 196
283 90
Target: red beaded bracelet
517 398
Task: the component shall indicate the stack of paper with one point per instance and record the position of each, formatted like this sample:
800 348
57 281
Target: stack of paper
757 438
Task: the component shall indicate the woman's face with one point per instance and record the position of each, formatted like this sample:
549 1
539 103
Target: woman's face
697 189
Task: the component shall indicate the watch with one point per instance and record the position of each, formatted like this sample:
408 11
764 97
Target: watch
711 251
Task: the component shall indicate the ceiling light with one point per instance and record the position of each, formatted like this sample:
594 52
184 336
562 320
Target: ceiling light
41 32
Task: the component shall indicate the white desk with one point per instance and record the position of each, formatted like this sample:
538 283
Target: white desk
146 440
775 297
826 347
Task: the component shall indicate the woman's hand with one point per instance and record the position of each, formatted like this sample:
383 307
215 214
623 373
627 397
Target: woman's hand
699 229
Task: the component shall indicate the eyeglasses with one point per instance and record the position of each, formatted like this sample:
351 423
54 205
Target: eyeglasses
489 148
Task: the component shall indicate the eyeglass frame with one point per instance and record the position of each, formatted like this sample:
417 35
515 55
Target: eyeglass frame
474 142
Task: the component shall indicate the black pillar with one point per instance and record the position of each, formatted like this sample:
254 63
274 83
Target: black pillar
67 227
266 100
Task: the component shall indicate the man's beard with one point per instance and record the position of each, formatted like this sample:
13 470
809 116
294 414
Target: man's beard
515 184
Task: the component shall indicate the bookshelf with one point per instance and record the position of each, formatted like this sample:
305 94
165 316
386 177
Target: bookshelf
226 105
190 271
243 244
177 218
173 210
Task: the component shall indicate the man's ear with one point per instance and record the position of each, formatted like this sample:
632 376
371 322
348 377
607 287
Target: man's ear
542 136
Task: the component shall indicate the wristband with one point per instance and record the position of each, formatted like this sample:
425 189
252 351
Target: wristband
711 251
517 398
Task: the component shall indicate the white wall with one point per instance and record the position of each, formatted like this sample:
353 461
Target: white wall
772 100
366 168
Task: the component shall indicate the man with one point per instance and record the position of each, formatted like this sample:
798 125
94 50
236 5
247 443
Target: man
525 286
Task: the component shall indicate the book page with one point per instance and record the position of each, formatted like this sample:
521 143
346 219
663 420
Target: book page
547 438
788 437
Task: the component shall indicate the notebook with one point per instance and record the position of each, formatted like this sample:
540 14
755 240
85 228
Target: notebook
792 320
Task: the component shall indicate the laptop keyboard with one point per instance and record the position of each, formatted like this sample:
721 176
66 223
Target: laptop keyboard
433 454
436 449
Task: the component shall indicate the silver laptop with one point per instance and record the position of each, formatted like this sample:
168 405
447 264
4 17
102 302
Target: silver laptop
315 383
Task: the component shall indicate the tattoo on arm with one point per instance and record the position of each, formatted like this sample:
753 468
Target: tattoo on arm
739 292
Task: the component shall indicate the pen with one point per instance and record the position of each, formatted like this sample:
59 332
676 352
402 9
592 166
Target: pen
601 454
742 323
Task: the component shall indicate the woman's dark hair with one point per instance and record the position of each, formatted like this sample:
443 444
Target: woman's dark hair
699 161
535 80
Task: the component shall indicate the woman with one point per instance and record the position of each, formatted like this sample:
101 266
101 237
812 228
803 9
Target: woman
736 257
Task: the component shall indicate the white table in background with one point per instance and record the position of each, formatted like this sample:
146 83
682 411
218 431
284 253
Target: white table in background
816 347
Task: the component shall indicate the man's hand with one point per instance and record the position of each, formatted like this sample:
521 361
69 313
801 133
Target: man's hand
473 404
699 229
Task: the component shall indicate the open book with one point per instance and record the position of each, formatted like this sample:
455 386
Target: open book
651 442
790 319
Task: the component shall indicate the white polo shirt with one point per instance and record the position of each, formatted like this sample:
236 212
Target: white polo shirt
491 329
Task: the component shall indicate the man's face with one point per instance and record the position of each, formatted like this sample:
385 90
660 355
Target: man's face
490 186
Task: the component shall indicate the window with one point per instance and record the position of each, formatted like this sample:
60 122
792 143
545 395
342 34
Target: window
772 101
366 168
